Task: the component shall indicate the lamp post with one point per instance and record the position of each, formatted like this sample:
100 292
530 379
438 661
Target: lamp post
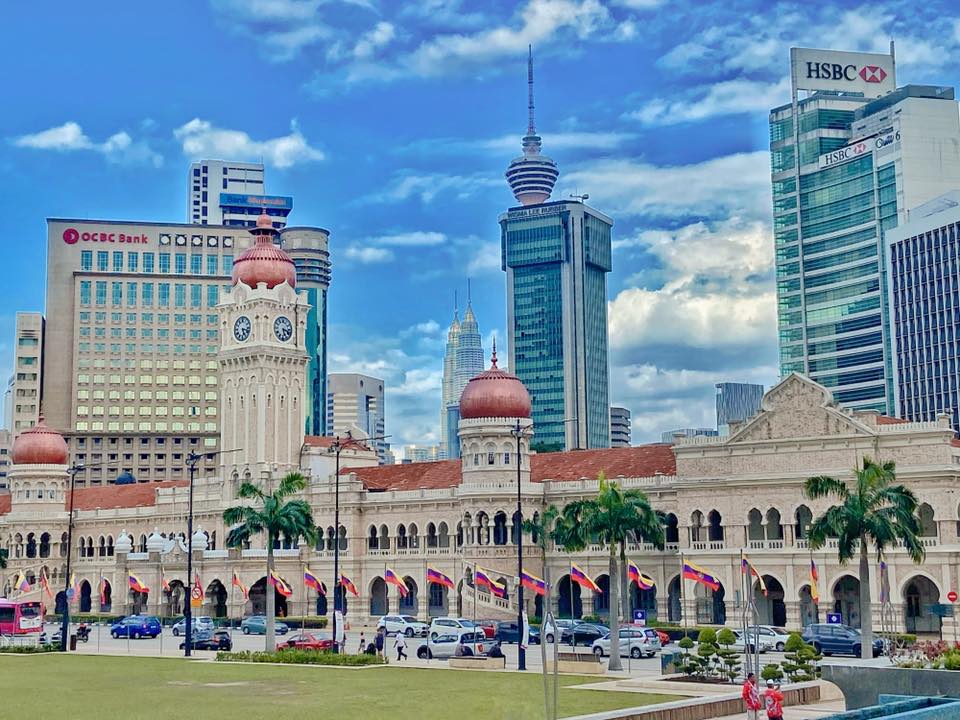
518 430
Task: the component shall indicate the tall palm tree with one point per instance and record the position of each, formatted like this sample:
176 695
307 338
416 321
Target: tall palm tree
871 511
276 516
612 518
540 529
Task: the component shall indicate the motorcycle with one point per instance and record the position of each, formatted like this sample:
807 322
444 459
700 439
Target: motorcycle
83 633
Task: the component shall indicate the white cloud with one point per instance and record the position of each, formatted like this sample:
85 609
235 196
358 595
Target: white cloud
119 148
411 239
377 37
427 186
485 259
200 139
722 98
368 255
287 44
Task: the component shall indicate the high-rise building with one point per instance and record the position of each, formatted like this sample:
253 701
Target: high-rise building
671 436
736 402
462 360
924 286
356 401
556 256
6 443
225 192
421 453
848 160
131 340
619 426
26 391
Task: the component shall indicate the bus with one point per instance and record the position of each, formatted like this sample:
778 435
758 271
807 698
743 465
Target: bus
20 618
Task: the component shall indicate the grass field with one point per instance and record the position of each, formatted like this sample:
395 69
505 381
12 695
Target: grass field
88 687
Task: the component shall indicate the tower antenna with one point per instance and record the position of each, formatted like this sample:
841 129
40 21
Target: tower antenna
531 125
469 298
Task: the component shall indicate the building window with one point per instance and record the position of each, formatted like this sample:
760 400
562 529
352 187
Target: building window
86 260
196 264
196 295
101 292
147 299
131 294
133 260
213 295
506 458
181 264
490 459
163 294
84 292
180 295
227 264
148 262
102 260
117 261
211 264
165 263
476 458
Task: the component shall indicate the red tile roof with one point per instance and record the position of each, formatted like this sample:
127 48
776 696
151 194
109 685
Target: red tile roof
887 420
120 496
5 503
325 441
640 461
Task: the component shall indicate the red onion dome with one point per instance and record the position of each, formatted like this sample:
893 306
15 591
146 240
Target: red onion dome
264 262
495 394
39 446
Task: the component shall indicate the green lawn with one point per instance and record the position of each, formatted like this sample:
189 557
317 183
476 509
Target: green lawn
83 687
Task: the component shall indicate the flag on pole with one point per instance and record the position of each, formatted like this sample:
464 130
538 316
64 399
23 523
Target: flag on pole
393 578
746 568
237 583
532 582
582 579
814 577
45 583
349 586
884 582
163 582
499 589
136 584
312 581
644 582
438 578
282 586
23 585
103 592
72 588
700 575
481 579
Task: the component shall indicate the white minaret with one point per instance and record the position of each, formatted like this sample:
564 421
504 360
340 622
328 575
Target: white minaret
263 361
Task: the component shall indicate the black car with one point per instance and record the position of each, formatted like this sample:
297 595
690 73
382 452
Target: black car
207 640
584 634
509 632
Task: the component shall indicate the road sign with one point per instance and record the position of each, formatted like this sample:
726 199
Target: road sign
196 597
941 610
639 617
834 618
952 596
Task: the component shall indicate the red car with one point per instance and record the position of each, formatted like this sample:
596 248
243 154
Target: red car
306 641
489 628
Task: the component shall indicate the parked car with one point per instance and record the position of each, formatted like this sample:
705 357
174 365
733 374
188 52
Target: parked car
257 625
584 633
778 636
446 625
766 644
837 640
209 640
136 626
199 623
633 642
307 641
444 645
489 628
509 632
557 629
406 624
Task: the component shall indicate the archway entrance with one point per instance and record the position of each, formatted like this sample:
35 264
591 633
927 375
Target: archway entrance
809 612
379 604
645 600
410 603
674 601
106 596
258 599
139 602
711 609
85 601
173 599
569 604
918 595
601 600
321 603
216 597
438 601
770 607
846 600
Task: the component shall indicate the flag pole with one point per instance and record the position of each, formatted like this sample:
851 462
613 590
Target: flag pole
683 610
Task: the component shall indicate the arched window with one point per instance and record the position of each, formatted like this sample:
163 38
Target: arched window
109 545
443 536
373 542
31 545
672 531
696 526
500 528
63 545
774 528
754 525
928 525
802 519
431 535
413 539
716 526
401 536
384 538
142 545
45 545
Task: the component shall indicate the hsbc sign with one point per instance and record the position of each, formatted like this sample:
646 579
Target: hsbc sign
869 73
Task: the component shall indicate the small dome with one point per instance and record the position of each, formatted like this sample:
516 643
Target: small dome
39 446
156 542
495 393
124 543
125 478
264 262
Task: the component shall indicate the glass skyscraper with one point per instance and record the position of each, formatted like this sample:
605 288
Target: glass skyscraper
845 168
736 402
462 361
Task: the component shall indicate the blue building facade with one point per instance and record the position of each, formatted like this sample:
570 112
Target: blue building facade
736 402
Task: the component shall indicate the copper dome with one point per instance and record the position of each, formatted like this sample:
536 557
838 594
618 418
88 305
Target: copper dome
495 394
264 262
39 446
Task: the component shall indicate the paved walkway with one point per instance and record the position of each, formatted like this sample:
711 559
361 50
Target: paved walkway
808 712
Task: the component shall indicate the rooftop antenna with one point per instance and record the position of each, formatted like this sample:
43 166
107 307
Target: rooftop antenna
469 298
531 126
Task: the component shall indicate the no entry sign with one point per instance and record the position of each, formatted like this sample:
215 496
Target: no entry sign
952 596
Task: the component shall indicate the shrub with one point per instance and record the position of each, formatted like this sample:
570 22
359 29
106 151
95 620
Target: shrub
794 643
591 618
726 637
29 649
300 657
686 642
707 635
312 622
771 672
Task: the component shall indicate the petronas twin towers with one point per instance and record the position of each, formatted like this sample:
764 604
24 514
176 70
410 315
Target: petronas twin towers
463 360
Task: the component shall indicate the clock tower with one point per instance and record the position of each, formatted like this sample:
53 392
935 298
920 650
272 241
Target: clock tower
263 362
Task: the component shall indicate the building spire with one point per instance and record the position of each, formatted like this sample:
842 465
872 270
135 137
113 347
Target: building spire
531 125
469 298
531 176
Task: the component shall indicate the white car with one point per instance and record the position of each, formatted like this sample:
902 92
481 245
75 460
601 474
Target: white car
445 645
778 636
452 625
203 622
405 624
635 642
766 644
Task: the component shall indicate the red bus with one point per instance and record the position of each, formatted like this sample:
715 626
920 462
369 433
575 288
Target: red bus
20 618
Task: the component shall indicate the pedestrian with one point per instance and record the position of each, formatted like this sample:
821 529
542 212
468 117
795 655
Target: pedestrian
495 651
363 643
773 699
751 697
401 645
378 640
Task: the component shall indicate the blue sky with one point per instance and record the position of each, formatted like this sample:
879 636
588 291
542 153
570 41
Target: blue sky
391 125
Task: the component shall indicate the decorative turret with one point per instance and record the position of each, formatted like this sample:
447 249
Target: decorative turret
264 262
495 393
40 445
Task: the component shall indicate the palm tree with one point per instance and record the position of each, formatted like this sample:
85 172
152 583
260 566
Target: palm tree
871 511
611 518
276 516
540 530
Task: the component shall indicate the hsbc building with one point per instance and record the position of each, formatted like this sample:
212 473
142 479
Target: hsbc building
851 154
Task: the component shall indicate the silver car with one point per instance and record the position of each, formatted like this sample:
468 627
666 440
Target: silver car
635 642
199 623
766 643
445 645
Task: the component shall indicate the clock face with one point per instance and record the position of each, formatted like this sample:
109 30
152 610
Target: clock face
241 328
282 328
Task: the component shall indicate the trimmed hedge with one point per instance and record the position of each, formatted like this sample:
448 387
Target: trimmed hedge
29 649
308 621
300 657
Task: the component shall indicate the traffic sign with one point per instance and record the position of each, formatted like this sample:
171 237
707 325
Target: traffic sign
834 618
952 596
196 597
640 617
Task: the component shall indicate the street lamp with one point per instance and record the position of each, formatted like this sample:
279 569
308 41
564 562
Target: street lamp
519 430
337 447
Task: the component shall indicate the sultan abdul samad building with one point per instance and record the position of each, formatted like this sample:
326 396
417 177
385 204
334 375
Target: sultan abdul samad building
720 496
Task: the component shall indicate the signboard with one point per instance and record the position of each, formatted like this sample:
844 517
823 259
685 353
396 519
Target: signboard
71 236
196 597
941 610
952 596
256 201
872 74
640 617
553 209
858 148
834 618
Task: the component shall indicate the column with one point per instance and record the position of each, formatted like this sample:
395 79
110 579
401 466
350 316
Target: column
794 618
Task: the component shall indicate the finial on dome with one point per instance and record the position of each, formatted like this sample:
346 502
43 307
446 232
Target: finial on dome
493 356
264 220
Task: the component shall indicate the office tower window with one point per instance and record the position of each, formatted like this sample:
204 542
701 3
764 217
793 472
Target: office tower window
163 295
180 295
196 264
116 293
148 262
227 264
103 257
213 295
196 294
118 261
165 263
84 292
147 299
181 264
86 260
211 264
131 294
133 261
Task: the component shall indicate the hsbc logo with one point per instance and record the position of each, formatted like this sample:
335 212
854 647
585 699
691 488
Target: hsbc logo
872 73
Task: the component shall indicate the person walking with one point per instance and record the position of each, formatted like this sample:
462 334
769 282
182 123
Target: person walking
363 643
773 700
378 641
751 697
401 645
